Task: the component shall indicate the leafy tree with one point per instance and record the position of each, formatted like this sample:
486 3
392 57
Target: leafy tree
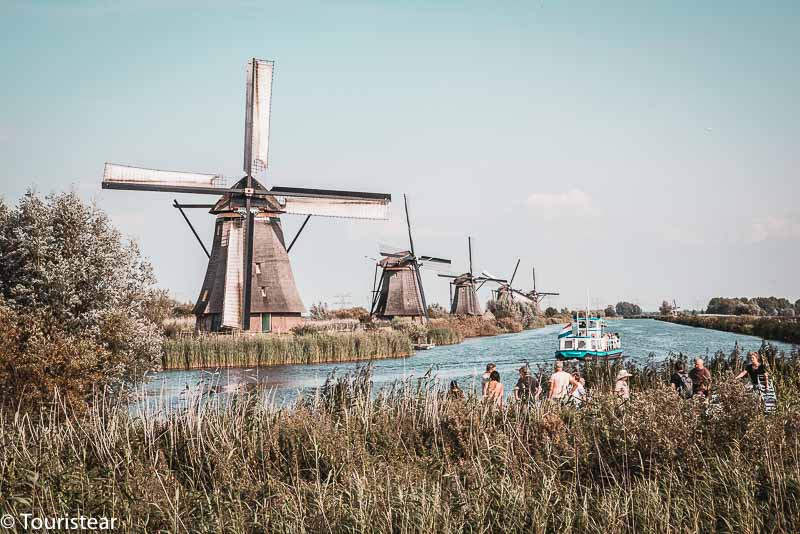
436 311
550 312
610 311
77 302
320 312
627 309
665 308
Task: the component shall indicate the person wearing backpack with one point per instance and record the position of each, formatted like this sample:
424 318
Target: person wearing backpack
681 382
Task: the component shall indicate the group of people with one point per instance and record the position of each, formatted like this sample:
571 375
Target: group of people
571 387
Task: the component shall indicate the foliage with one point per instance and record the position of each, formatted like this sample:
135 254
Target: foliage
628 309
772 306
444 336
358 313
69 281
550 312
775 328
437 311
253 350
610 311
320 312
665 308
407 458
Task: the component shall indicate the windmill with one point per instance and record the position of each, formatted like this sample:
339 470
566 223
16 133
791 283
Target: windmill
249 282
505 290
398 292
463 290
537 296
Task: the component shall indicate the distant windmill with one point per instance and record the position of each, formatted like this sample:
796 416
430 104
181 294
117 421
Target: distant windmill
399 291
505 290
248 249
537 296
463 290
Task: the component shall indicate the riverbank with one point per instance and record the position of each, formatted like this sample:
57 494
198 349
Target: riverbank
318 343
411 459
770 328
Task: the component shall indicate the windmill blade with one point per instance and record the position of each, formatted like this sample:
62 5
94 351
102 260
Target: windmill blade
489 275
547 294
117 176
515 272
433 259
521 294
257 112
408 223
327 203
391 250
438 266
534 278
442 275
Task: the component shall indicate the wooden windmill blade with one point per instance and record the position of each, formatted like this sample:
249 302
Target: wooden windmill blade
330 203
116 176
514 274
258 106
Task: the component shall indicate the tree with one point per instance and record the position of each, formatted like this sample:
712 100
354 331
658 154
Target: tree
627 309
610 311
77 302
550 312
665 308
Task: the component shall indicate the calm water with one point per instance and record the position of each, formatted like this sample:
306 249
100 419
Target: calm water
464 362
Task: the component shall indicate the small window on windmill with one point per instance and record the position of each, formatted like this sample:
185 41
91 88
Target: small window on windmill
224 241
219 229
258 268
205 295
263 291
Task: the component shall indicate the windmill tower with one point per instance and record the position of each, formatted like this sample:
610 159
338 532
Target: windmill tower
399 291
464 289
537 296
249 283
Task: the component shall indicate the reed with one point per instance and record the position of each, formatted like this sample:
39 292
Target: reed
410 459
250 351
444 336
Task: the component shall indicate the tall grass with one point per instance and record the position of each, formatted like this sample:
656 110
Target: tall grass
250 351
410 459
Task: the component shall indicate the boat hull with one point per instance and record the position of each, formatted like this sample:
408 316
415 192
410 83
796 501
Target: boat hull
588 355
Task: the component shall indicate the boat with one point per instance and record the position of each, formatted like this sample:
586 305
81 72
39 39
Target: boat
586 339
423 346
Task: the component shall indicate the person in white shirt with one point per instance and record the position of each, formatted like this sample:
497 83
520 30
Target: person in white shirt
560 382
578 393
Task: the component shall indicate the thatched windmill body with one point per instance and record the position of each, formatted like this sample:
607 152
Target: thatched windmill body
464 289
399 292
249 283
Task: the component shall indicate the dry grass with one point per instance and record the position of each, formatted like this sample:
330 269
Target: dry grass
408 459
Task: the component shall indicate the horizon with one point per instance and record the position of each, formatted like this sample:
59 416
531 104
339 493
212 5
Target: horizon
529 130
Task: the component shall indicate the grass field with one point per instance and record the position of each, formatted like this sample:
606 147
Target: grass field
409 459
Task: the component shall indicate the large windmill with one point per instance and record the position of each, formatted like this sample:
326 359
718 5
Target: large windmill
249 282
399 291
464 289
537 296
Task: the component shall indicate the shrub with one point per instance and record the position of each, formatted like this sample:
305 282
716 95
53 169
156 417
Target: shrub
78 299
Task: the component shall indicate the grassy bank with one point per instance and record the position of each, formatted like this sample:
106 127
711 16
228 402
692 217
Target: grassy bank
772 328
250 351
411 460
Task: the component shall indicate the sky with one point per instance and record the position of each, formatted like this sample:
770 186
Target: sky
635 151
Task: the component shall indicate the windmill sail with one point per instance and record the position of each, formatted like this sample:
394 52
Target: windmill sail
352 208
117 176
257 112
232 305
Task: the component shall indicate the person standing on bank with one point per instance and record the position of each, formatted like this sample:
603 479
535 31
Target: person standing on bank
494 389
486 377
621 387
680 381
525 388
701 379
754 369
560 382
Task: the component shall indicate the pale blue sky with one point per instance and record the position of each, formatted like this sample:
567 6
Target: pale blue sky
666 129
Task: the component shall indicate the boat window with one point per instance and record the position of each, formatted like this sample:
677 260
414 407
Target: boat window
568 344
581 344
594 344
592 324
